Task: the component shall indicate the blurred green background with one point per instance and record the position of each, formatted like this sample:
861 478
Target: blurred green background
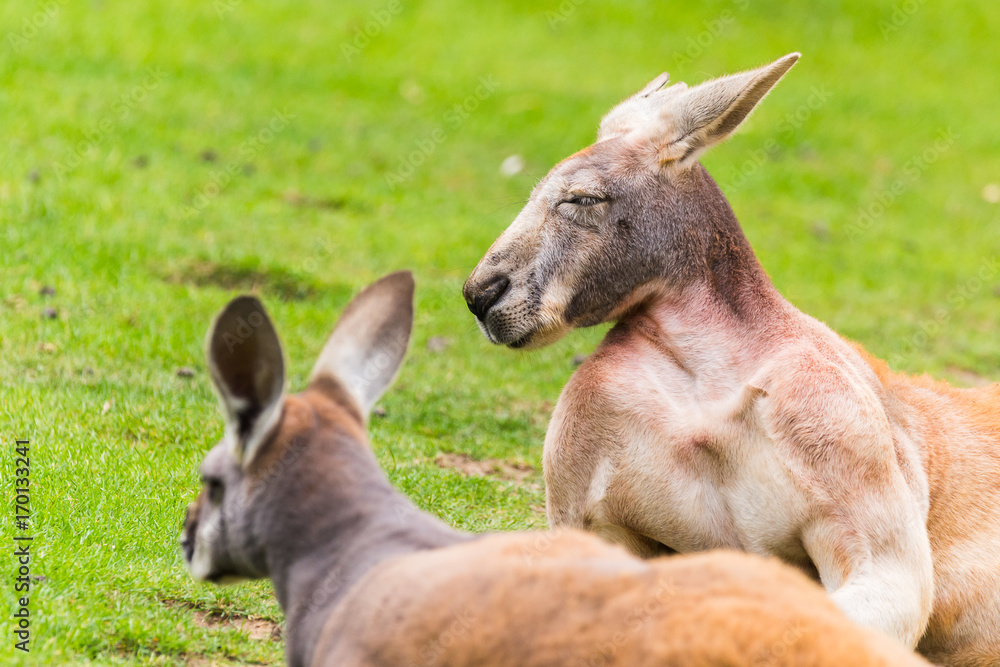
160 157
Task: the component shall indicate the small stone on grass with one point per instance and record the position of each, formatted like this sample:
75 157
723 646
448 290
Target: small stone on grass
991 193
512 166
438 343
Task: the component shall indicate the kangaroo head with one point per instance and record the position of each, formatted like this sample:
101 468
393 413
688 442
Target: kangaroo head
623 219
273 481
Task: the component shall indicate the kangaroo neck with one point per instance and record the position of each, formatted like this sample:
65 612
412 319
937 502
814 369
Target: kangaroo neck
359 536
725 314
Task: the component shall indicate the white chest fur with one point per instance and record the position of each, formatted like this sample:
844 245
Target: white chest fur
716 477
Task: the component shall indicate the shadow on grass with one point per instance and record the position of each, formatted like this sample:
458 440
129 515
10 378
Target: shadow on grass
246 277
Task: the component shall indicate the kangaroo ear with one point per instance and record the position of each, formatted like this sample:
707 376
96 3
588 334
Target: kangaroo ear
654 85
244 357
368 344
680 123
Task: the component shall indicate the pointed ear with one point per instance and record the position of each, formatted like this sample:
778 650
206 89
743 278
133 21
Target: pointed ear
680 123
654 85
639 113
711 111
368 344
244 358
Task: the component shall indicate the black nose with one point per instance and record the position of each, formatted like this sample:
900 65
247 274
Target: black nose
482 297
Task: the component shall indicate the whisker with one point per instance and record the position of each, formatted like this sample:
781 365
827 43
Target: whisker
522 202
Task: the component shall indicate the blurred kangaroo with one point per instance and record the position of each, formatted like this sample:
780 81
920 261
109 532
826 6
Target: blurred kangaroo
293 492
714 413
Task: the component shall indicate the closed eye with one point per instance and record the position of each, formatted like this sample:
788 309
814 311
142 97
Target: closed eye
215 489
584 200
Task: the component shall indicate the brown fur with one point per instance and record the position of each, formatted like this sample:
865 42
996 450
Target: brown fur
959 430
717 415
366 579
568 599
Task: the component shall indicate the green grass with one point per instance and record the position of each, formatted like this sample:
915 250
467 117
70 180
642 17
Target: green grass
110 109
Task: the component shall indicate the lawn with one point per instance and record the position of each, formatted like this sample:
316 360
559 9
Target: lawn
161 157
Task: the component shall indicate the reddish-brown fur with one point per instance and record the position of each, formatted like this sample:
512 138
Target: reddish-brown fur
717 415
959 430
566 598
366 579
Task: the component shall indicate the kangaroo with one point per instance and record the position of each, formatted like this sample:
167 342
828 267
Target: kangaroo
714 413
294 492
